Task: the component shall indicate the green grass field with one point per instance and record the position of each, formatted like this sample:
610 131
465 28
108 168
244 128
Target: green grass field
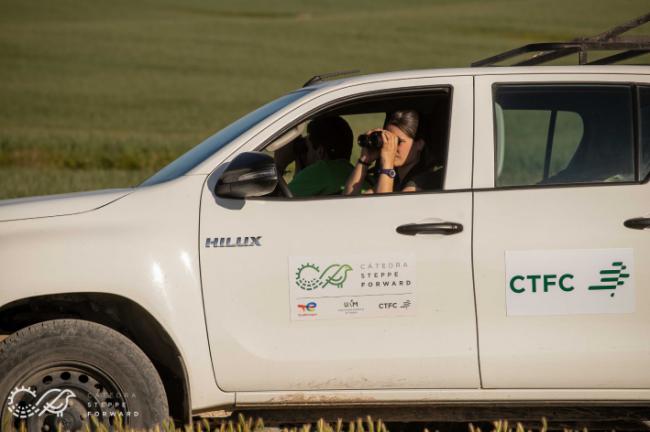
102 94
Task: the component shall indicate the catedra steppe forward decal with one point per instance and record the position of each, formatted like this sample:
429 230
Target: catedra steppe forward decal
340 287
565 282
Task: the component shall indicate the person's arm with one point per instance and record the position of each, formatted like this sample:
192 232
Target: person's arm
355 181
386 184
357 176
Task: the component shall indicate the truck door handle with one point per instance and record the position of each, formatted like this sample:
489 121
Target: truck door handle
444 228
637 223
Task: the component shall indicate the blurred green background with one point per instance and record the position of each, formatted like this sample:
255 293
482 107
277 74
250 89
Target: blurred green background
99 93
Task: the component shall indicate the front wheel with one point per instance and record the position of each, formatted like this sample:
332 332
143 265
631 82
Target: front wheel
70 371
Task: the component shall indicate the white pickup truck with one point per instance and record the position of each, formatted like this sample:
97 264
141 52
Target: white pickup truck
522 276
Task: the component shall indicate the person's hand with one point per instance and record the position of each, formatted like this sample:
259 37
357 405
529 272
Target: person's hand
389 149
369 155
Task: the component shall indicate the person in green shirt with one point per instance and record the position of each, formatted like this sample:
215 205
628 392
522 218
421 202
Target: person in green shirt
329 143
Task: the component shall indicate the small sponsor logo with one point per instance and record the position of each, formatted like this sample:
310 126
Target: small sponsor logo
23 402
308 307
388 305
309 277
217 242
406 304
351 306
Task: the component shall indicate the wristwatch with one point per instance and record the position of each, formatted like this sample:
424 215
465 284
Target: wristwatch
389 172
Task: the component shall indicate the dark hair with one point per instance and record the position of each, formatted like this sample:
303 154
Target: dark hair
406 120
333 134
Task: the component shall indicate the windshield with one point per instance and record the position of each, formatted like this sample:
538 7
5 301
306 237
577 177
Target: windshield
207 148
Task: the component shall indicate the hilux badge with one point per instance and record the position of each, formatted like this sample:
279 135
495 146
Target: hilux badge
228 241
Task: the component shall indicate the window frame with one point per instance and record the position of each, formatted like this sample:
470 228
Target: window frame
339 102
633 87
638 122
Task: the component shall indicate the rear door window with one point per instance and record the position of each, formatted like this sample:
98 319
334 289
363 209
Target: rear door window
563 134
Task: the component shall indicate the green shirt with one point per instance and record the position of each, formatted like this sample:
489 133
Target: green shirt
325 177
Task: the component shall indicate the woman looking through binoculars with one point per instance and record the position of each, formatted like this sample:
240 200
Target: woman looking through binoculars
396 154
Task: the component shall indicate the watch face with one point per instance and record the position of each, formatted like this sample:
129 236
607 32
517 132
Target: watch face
389 172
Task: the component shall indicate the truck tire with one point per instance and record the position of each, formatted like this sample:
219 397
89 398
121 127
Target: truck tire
69 371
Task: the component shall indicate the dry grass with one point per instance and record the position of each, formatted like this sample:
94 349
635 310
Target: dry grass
243 424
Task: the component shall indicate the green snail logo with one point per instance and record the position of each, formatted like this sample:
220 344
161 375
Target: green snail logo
309 277
612 278
54 401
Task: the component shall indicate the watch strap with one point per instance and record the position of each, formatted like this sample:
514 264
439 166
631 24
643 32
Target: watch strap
389 172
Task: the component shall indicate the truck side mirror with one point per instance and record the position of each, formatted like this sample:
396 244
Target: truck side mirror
250 174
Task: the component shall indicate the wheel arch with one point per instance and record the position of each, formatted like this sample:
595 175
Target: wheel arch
122 315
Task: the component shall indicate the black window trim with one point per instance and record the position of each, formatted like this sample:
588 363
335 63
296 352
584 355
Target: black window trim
636 107
550 138
633 87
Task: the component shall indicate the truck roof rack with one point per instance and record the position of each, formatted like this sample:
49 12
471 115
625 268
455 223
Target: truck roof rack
611 40
321 77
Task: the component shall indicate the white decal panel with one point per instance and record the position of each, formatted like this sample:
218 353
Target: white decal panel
352 286
566 282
